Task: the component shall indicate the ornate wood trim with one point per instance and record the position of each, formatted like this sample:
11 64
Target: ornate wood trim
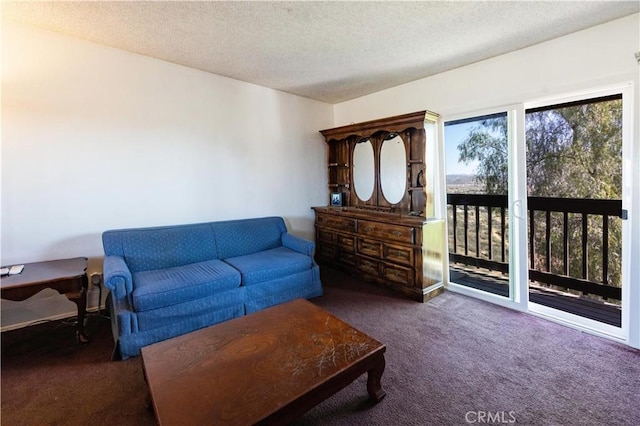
394 124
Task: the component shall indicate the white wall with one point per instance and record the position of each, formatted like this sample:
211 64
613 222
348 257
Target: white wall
597 57
95 138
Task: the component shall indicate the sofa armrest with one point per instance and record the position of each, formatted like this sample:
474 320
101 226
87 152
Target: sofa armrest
117 277
298 244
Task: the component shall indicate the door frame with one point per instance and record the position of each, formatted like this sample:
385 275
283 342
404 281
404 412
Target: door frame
629 332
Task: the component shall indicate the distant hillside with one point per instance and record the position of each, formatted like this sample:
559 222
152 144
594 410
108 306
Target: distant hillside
461 179
463 184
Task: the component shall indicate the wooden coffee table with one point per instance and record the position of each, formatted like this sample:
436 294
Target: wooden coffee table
267 367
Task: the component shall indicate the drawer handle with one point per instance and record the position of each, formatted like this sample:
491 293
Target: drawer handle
397 233
368 228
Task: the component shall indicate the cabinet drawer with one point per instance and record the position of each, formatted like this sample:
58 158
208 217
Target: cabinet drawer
398 254
336 222
346 242
325 236
385 231
326 251
348 258
368 266
398 274
370 248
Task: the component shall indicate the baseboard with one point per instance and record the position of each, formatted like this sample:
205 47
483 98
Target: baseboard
432 291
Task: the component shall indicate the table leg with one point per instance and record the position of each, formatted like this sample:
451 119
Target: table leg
376 393
80 299
82 310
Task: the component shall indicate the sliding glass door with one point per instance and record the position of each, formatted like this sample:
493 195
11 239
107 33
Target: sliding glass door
477 187
535 208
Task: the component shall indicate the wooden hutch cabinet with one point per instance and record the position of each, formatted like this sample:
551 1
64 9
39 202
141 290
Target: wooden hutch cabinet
375 222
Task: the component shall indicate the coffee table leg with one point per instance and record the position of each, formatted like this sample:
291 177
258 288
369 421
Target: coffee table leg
376 393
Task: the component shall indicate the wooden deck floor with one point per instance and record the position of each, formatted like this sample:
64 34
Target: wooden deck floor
607 313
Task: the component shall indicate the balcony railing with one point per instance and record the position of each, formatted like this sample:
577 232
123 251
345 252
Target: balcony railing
482 240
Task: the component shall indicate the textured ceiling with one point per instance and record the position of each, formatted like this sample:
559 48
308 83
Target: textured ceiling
329 51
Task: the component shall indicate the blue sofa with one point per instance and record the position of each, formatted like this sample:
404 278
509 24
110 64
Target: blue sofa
170 280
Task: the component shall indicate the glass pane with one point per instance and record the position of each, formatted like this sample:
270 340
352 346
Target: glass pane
477 188
574 181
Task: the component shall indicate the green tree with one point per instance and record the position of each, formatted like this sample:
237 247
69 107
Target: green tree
590 161
486 143
572 152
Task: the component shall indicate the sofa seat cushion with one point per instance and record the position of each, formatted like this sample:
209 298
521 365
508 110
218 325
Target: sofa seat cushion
166 287
269 264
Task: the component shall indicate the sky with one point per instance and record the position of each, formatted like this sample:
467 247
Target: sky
453 136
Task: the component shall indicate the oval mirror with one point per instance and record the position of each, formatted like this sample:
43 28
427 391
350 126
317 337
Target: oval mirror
363 170
393 169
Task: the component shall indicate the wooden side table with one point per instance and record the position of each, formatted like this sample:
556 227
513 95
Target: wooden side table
68 276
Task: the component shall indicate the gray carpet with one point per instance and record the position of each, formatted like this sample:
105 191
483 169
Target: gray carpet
451 361
455 359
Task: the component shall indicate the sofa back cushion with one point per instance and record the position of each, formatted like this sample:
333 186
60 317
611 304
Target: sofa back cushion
146 249
246 236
